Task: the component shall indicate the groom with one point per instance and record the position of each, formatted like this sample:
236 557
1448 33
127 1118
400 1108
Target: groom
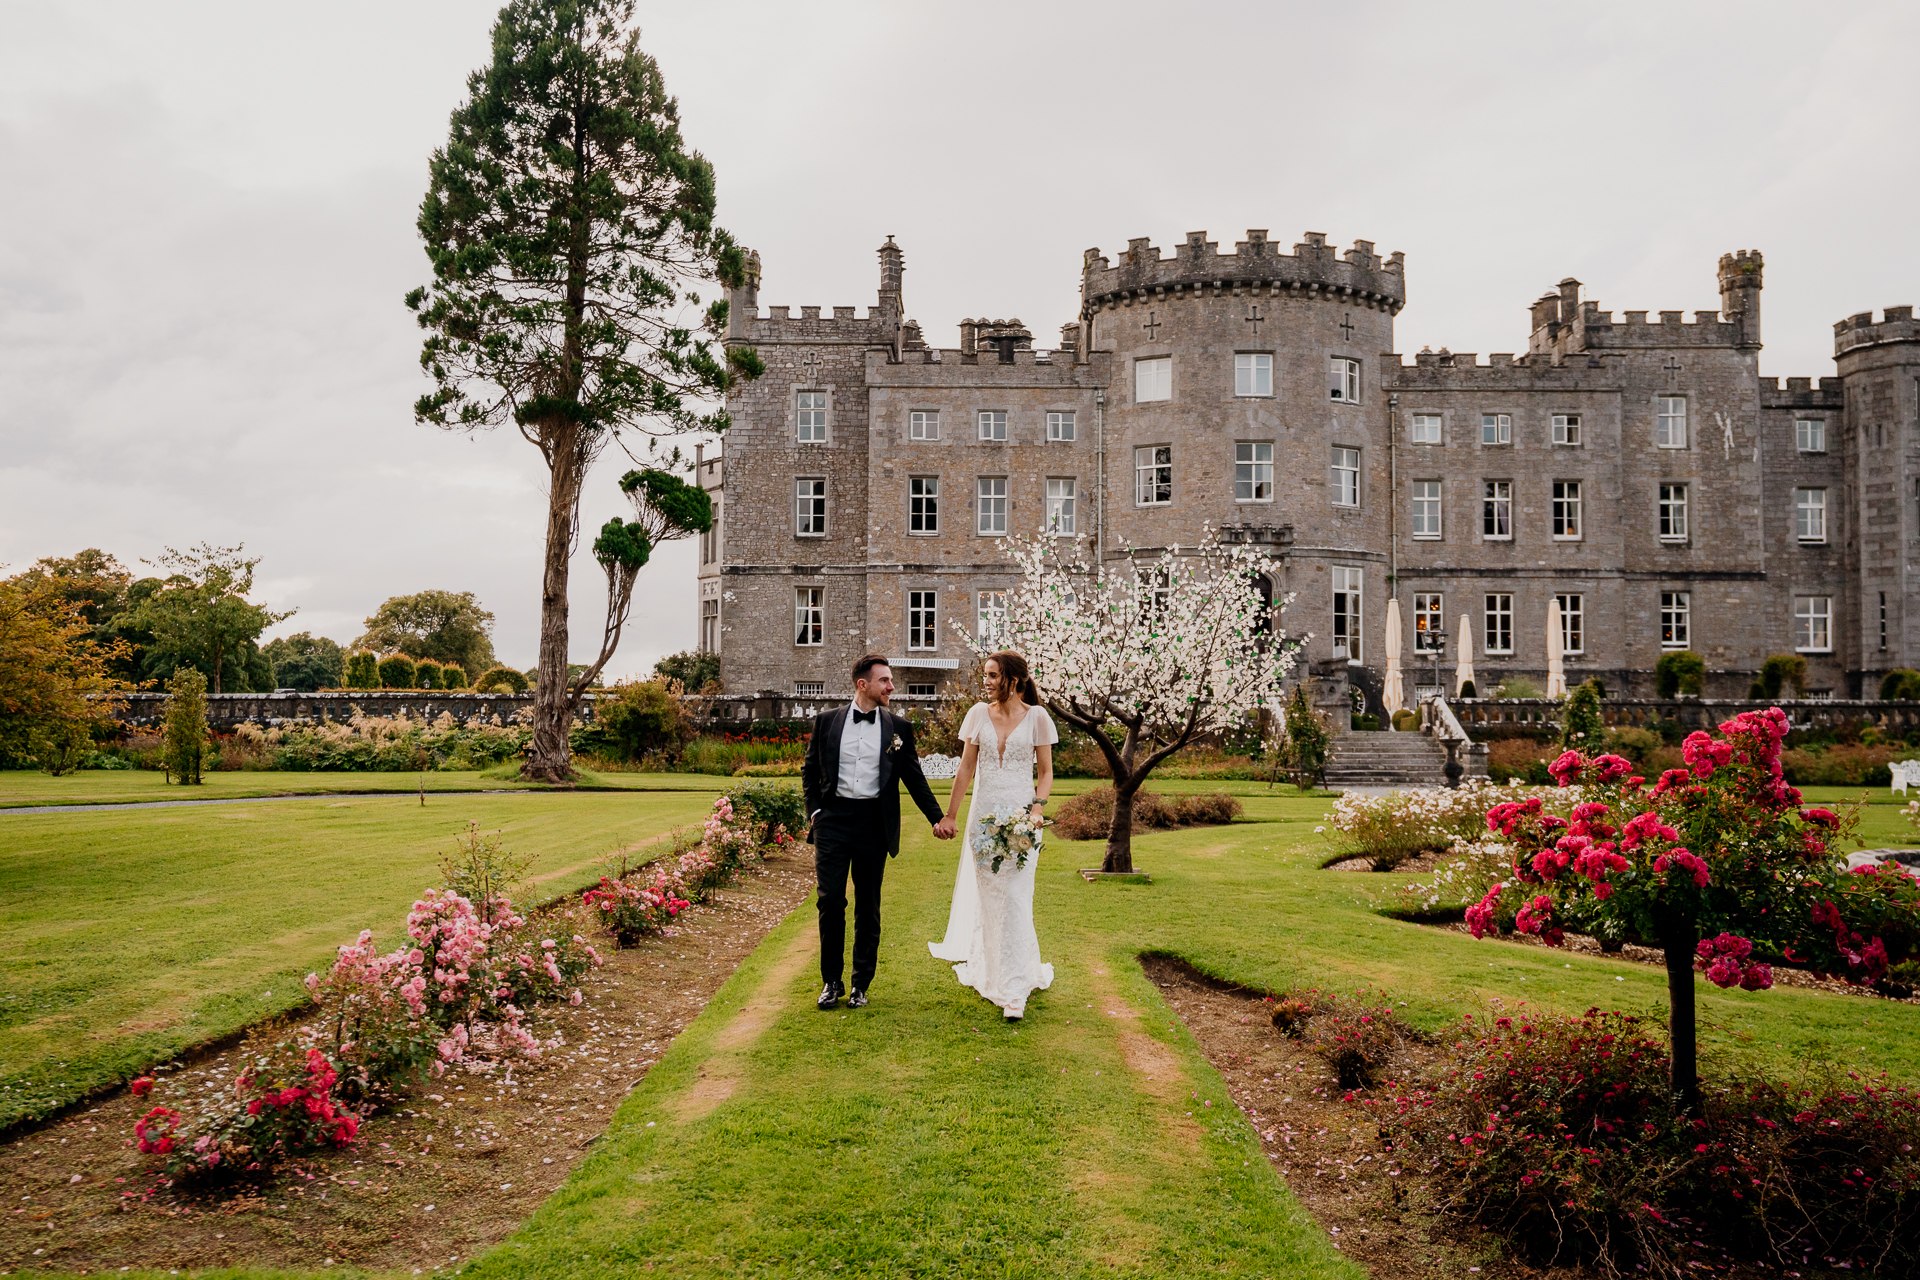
855 759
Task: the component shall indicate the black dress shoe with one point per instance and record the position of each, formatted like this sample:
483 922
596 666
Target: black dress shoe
858 1000
830 995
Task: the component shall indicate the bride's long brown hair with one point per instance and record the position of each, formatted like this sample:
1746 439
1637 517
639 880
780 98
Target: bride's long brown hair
1015 675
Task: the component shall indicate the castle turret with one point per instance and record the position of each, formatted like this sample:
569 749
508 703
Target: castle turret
892 268
743 303
1740 285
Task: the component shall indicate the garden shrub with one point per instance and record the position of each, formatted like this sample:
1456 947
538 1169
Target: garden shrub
632 911
1089 815
1679 671
1304 750
1355 1041
1290 1015
398 671
1842 765
639 718
1581 724
185 733
427 675
1406 721
492 680
1467 689
363 670
773 806
1517 686
245 748
482 872
1391 828
1637 745
1562 1135
1780 671
694 670
453 676
1902 685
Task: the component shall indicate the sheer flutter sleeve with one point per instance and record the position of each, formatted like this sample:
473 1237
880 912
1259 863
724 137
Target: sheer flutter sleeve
1044 734
977 727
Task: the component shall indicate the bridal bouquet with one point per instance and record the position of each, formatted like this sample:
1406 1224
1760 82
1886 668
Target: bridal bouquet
1007 835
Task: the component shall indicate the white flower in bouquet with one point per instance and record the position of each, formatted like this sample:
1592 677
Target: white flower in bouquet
1007 835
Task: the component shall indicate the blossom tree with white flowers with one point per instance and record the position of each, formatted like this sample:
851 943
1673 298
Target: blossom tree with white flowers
1165 649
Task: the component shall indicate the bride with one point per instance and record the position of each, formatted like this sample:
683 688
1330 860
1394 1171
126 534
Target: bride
990 928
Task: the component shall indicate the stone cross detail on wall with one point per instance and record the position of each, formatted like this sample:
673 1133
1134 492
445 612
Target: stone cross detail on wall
811 364
1254 318
1346 326
1673 368
1152 324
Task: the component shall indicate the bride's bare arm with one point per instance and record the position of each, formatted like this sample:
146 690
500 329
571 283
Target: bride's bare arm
1043 768
962 779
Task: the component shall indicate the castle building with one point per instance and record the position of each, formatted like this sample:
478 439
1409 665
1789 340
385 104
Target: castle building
1641 472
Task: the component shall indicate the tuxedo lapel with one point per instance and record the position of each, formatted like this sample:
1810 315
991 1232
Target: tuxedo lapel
830 750
887 732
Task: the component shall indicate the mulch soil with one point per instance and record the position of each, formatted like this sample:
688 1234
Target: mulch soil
452 1169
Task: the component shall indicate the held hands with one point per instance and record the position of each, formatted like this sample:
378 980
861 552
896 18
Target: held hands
945 829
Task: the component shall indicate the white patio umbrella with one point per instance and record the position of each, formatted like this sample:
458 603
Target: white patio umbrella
1556 654
1394 696
1464 672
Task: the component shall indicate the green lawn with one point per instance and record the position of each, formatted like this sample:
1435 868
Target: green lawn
20 788
125 937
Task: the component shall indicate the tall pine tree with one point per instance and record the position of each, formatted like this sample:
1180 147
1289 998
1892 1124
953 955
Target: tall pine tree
564 220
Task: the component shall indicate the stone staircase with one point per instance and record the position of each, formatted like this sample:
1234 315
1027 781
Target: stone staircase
1386 759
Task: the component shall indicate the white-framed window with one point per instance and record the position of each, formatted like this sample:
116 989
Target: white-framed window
810 416
1347 586
810 506
923 424
1429 622
1499 622
923 619
1423 428
1566 509
990 505
1252 373
809 688
1810 435
1670 422
710 538
1346 477
1496 428
989 616
809 616
1061 426
1566 428
915 689
1810 515
993 424
1496 509
923 504
1812 624
1673 513
1343 380
1573 622
1153 379
1676 619
1253 471
1426 508
1062 497
709 626
1153 475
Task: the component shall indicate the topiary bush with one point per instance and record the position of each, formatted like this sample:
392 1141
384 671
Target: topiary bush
453 676
1467 689
427 674
1783 670
399 672
501 679
1581 722
1900 686
1679 672
1406 721
363 671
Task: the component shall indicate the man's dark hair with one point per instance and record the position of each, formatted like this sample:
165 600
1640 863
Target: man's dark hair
867 664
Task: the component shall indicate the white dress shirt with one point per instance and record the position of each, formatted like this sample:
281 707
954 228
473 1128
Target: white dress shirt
860 757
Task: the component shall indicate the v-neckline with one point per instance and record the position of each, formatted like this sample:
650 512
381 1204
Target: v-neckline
1000 742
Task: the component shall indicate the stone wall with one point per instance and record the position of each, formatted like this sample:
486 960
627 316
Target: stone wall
226 710
1485 717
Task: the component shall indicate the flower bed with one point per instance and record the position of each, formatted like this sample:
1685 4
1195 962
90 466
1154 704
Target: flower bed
1089 815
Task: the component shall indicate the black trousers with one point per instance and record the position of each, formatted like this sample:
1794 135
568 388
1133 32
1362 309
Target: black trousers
847 839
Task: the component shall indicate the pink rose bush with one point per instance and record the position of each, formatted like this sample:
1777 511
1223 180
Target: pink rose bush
1711 863
647 901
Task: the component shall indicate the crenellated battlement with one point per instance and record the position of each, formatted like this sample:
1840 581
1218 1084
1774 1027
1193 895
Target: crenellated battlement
1357 277
1801 393
780 325
1462 369
1858 331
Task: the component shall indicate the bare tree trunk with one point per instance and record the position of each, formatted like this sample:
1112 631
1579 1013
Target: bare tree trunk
549 757
1120 831
1678 938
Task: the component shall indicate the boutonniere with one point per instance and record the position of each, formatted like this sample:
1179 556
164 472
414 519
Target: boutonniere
896 744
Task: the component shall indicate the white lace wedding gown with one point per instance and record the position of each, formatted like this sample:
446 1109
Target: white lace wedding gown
990 927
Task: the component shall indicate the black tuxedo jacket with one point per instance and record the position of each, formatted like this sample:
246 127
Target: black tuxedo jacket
820 777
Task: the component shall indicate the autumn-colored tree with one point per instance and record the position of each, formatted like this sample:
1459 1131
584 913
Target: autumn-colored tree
56 686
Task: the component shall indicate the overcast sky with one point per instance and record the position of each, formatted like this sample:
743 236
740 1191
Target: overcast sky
206 222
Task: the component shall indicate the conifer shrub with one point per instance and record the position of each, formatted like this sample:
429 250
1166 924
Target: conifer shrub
363 670
1467 689
453 676
1304 752
399 672
1581 724
427 674
501 680
1902 685
185 732
1679 671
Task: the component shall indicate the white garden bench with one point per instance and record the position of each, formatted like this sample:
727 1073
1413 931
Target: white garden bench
1906 773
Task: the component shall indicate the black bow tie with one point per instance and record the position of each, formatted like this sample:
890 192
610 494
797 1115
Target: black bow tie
866 717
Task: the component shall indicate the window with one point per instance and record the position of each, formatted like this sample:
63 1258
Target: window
710 538
1424 428
1499 624
709 626
1346 477
1252 472
1060 426
810 416
1883 622
809 689
991 508
923 618
1346 613
810 506
1153 475
1252 374
1343 380
990 616
1673 513
1153 379
1496 428
1426 508
809 615
1496 509
919 690
1676 612
1812 618
1566 509
1810 515
1670 422
1566 428
1573 618
1061 499
993 424
1429 622
1810 435
923 504
923 424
